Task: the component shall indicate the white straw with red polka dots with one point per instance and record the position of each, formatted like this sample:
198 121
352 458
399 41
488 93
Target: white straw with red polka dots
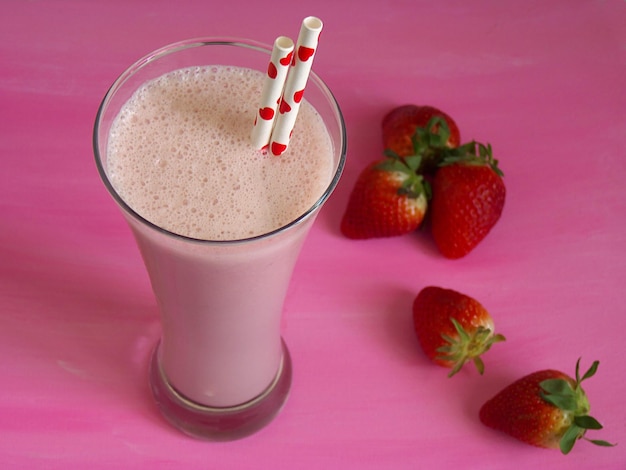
273 85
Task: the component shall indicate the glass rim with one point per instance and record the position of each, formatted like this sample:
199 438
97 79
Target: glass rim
215 41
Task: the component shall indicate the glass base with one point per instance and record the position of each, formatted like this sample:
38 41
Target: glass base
220 424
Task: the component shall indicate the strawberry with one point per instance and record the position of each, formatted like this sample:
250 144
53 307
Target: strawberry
546 409
468 196
388 199
399 126
452 328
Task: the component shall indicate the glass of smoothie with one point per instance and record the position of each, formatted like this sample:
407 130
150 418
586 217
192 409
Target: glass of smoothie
218 223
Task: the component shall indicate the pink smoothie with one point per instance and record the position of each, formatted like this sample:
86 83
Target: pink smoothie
179 155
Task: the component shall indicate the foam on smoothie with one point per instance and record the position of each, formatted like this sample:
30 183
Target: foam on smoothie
180 156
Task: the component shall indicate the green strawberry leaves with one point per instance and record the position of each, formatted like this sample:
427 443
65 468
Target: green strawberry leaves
467 346
430 145
434 136
577 431
561 394
573 401
471 153
590 372
587 422
413 185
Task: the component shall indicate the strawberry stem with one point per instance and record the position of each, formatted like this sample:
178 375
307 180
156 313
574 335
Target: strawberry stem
414 185
573 401
429 145
471 153
467 346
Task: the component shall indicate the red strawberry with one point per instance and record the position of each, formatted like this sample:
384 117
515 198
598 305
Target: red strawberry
388 199
452 328
545 409
399 126
468 198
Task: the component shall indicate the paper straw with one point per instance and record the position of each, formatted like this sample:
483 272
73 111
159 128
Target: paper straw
277 68
297 77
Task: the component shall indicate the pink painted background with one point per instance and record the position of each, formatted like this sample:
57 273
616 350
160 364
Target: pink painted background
543 81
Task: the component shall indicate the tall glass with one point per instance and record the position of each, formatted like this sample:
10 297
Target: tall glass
221 370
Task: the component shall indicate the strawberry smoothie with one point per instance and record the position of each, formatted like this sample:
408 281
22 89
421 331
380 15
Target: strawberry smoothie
179 155
218 223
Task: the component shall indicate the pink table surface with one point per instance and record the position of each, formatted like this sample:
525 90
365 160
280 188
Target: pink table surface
544 82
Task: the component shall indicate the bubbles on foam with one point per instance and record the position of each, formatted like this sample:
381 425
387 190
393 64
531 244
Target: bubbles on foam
179 154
